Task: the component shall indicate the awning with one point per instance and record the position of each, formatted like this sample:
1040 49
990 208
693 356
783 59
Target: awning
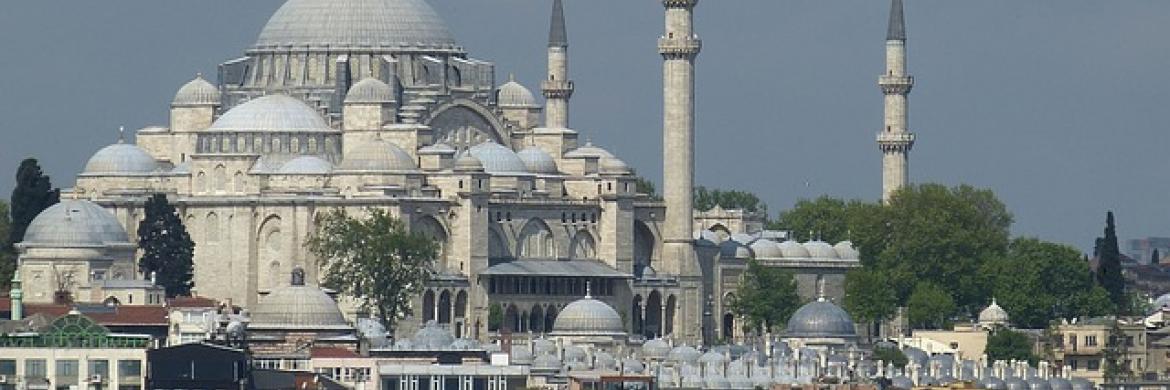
575 268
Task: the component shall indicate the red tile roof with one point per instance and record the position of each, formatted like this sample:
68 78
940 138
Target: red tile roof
333 353
192 302
118 316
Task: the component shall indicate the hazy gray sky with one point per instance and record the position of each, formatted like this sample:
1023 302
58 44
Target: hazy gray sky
1060 106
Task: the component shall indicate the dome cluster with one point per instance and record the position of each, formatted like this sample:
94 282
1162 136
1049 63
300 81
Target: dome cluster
743 246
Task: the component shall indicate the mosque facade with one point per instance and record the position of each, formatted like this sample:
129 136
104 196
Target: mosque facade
365 104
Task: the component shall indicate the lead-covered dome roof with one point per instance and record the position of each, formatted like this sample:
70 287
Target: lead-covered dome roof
75 223
298 306
994 314
121 158
588 316
306 165
498 159
197 92
820 318
370 91
515 95
378 155
356 24
538 161
272 113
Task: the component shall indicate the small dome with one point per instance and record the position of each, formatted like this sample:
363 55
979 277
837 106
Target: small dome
306 165
468 163
916 356
271 113
707 237
992 383
606 160
367 24
1057 383
793 250
1015 383
821 318
656 348
437 149
732 249
432 337
633 366
588 316
993 315
1082 384
767 249
845 250
614 166
378 156
684 354
498 159
714 381
712 357
514 95
370 91
121 158
820 250
604 361
1038 383
73 223
538 161
298 306
197 92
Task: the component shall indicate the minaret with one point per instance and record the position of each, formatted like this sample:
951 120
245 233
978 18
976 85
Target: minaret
679 47
895 140
557 87
17 295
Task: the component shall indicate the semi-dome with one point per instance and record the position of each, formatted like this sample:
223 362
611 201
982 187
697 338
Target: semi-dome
767 249
75 223
845 250
272 113
121 158
468 163
538 161
356 24
587 317
821 318
993 315
614 166
306 165
432 337
370 91
684 354
515 95
298 306
820 250
498 159
377 155
793 249
197 92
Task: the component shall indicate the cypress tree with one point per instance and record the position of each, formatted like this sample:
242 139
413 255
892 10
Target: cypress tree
1109 265
167 250
34 193
1156 257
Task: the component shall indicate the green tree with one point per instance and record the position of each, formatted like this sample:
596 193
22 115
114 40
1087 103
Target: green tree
495 317
1006 344
767 296
868 295
34 193
1109 265
1037 281
829 219
167 250
1116 350
706 199
1155 258
890 355
645 186
930 306
7 257
374 259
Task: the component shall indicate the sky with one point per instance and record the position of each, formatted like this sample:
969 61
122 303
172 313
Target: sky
1060 107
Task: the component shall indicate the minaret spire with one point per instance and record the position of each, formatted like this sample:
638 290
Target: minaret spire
895 139
557 88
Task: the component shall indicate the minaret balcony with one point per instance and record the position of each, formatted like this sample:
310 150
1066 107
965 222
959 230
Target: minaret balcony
688 4
896 84
557 89
679 47
895 141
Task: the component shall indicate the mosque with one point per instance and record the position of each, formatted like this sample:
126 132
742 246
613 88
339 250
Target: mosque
362 104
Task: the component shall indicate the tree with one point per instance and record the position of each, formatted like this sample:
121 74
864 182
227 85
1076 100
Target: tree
495 317
767 296
167 250
7 257
825 218
890 355
374 260
868 295
728 199
34 193
1037 281
645 186
1116 350
1005 344
1155 258
1109 265
929 306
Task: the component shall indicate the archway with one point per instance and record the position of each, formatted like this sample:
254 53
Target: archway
463 123
511 319
722 231
728 326
536 241
636 318
550 318
644 244
653 321
497 248
271 251
445 307
429 227
671 309
536 319
583 246
461 305
428 306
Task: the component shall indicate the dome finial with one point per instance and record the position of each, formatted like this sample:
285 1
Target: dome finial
121 134
298 277
588 290
511 77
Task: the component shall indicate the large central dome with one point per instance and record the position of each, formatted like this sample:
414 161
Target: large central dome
356 24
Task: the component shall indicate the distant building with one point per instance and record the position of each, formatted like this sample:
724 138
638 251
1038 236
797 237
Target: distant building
1142 249
73 351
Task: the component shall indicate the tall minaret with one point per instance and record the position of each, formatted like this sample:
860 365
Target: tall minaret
679 47
557 87
895 140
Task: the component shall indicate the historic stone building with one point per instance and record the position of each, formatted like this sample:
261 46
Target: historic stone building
372 104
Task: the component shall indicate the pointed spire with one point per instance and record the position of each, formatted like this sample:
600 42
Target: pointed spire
897 30
557 36
121 134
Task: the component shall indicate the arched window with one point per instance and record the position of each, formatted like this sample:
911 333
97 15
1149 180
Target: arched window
294 145
220 178
275 145
312 146
431 228
583 246
271 248
536 240
211 226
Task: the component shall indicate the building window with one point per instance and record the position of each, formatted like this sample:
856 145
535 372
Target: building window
7 367
1093 365
99 367
35 368
1090 341
1072 364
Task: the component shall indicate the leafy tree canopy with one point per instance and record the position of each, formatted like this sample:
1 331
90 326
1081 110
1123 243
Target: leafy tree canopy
767 296
930 306
1006 344
167 250
890 355
374 259
7 258
825 218
1036 281
868 296
645 186
706 199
